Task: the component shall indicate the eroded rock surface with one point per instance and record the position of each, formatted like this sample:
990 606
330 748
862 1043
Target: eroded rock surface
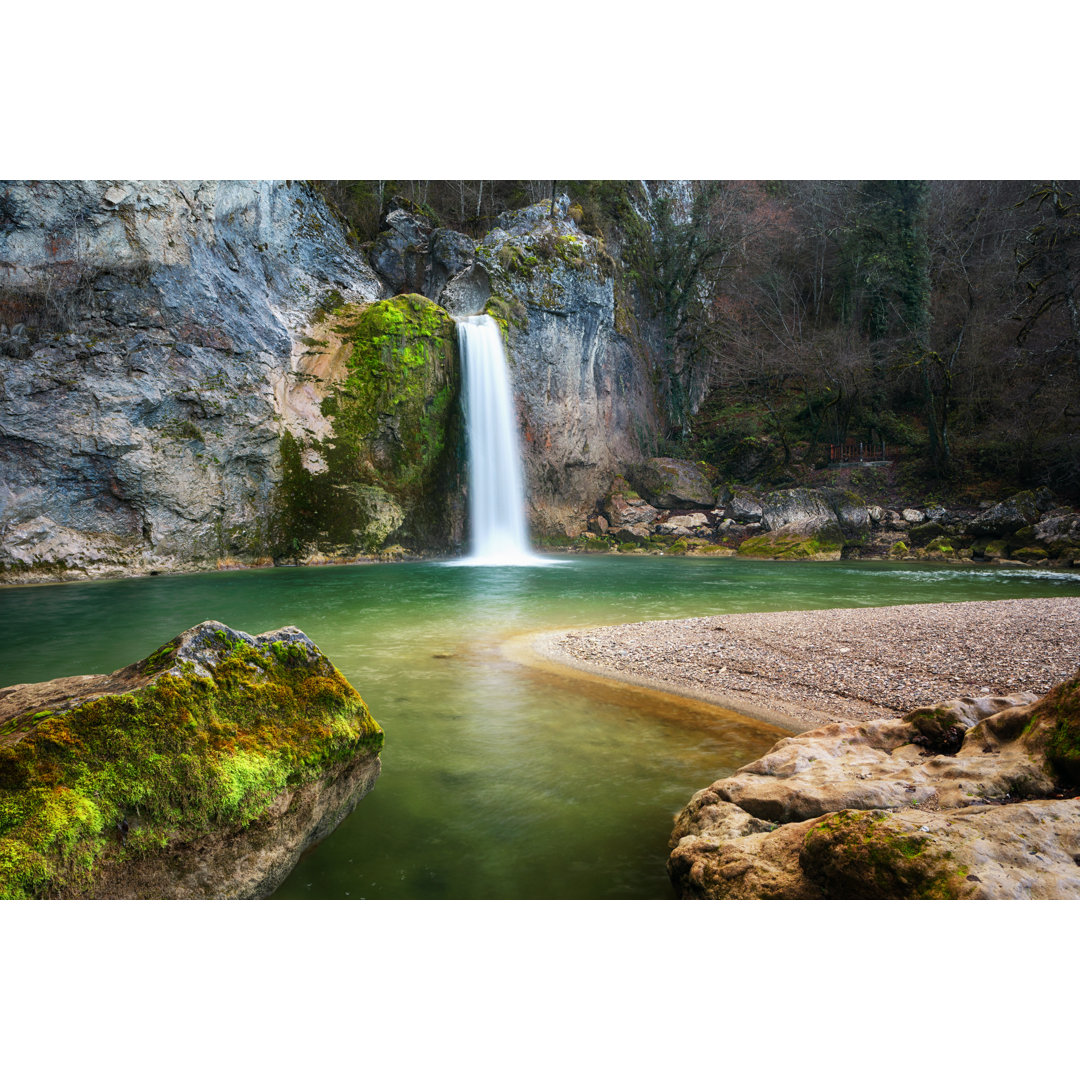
202 771
866 811
164 326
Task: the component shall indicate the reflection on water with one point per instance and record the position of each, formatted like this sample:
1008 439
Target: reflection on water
497 781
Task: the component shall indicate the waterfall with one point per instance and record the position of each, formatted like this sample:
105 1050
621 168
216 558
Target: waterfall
496 489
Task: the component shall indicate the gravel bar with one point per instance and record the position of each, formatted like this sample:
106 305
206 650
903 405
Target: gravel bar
798 669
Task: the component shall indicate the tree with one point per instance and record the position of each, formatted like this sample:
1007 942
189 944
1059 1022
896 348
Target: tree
1048 265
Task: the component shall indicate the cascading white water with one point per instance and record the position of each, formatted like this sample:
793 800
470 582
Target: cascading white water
499 536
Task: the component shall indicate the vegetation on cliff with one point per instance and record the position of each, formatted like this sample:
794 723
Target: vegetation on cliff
393 450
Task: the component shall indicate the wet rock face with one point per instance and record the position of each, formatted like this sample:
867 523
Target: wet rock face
139 411
202 771
866 811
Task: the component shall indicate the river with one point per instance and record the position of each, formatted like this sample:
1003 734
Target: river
498 781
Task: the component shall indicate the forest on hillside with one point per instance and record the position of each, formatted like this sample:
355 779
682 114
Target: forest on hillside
934 321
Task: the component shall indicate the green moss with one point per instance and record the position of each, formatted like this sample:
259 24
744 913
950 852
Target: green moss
864 855
394 430
825 544
898 550
179 758
1058 715
939 546
1030 554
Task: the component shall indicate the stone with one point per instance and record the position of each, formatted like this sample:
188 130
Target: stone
1059 535
913 517
815 544
467 292
620 509
1007 516
672 484
743 508
875 810
631 533
203 771
684 525
924 533
851 512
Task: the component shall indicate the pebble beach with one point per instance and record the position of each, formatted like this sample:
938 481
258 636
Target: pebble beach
799 669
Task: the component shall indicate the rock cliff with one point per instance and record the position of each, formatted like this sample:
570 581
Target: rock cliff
202 771
191 376
154 340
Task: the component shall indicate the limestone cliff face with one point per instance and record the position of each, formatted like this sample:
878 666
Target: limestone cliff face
154 335
579 356
582 377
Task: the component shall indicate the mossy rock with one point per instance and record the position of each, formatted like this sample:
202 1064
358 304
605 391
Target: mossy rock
921 535
109 781
939 548
1030 554
898 550
599 543
860 855
824 545
1055 724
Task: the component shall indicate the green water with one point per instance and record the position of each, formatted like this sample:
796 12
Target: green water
498 781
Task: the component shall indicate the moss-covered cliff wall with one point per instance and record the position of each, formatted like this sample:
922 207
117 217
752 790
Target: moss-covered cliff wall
388 473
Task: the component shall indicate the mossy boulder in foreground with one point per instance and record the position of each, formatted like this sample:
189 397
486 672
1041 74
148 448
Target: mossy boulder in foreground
203 771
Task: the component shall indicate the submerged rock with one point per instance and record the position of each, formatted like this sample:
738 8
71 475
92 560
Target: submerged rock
866 811
203 771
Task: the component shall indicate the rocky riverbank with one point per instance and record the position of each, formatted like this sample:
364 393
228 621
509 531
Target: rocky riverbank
669 506
938 756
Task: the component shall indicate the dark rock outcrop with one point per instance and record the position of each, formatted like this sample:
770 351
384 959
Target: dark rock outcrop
958 800
203 771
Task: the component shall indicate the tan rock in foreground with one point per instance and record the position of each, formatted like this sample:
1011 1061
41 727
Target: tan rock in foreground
873 811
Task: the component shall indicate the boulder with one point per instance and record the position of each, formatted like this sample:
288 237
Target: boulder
632 534
1007 516
878 810
684 525
800 524
1060 536
202 771
822 544
743 508
399 252
466 292
625 507
802 507
672 484
913 517
924 533
851 512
